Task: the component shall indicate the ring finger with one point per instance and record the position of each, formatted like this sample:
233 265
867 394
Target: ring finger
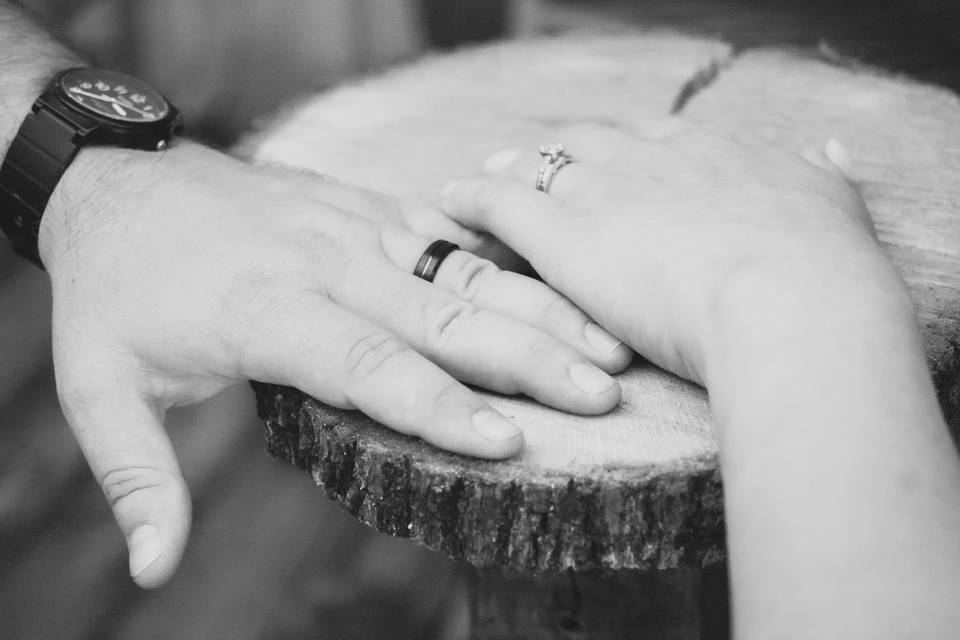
476 345
591 148
525 299
524 167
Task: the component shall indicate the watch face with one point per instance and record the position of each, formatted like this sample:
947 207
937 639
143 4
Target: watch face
114 95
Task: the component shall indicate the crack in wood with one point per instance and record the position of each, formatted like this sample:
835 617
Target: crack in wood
699 81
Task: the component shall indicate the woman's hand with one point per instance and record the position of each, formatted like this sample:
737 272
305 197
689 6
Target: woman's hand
178 274
755 272
661 238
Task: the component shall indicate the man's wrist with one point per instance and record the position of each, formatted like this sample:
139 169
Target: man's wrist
29 58
101 184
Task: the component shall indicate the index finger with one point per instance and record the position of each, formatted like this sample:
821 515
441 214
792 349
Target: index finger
518 215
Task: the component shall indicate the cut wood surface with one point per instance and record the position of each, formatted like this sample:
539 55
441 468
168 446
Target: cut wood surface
639 487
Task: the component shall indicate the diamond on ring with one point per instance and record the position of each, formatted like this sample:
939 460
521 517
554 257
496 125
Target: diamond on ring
554 159
552 151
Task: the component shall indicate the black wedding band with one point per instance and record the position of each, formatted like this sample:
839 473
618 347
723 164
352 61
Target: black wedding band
429 263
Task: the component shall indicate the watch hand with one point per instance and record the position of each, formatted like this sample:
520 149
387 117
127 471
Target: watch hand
129 105
92 95
107 98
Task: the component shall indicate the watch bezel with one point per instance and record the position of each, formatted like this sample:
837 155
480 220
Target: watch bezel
96 128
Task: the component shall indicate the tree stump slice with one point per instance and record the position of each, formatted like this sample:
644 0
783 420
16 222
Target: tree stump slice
637 489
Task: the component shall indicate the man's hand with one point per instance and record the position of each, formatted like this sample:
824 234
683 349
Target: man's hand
180 273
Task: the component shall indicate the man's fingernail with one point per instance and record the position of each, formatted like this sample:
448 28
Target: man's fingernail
501 160
451 186
589 378
599 338
492 426
146 546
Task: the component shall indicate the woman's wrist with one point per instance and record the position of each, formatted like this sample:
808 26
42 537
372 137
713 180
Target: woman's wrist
838 469
761 314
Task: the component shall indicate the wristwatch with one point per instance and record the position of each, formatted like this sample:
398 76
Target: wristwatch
80 107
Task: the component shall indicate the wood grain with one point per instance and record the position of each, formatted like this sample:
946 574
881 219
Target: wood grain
638 488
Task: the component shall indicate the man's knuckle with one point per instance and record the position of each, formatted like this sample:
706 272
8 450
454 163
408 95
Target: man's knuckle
324 248
446 319
471 275
421 407
540 349
372 353
449 393
252 291
125 484
558 310
333 241
255 305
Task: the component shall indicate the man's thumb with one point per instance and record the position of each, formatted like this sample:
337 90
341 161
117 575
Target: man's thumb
122 436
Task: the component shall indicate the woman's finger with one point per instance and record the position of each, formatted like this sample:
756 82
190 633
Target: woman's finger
523 168
525 219
476 345
533 224
346 361
428 221
831 156
594 149
510 294
589 143
122 436
535 304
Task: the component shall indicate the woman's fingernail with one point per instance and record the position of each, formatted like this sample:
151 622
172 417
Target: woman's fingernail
146 546
447 190
492 426
589 378
501 160
599 338
837 154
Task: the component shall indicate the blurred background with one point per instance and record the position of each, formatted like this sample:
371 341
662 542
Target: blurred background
226 63
270 557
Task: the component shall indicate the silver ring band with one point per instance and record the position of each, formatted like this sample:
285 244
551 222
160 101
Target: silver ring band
554 159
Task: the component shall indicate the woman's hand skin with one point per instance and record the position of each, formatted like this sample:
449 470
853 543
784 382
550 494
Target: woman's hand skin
756 273
650 235
178 274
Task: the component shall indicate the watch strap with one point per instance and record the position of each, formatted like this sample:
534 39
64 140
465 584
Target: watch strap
39 155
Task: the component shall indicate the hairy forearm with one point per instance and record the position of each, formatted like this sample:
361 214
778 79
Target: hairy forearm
842 483
29 57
